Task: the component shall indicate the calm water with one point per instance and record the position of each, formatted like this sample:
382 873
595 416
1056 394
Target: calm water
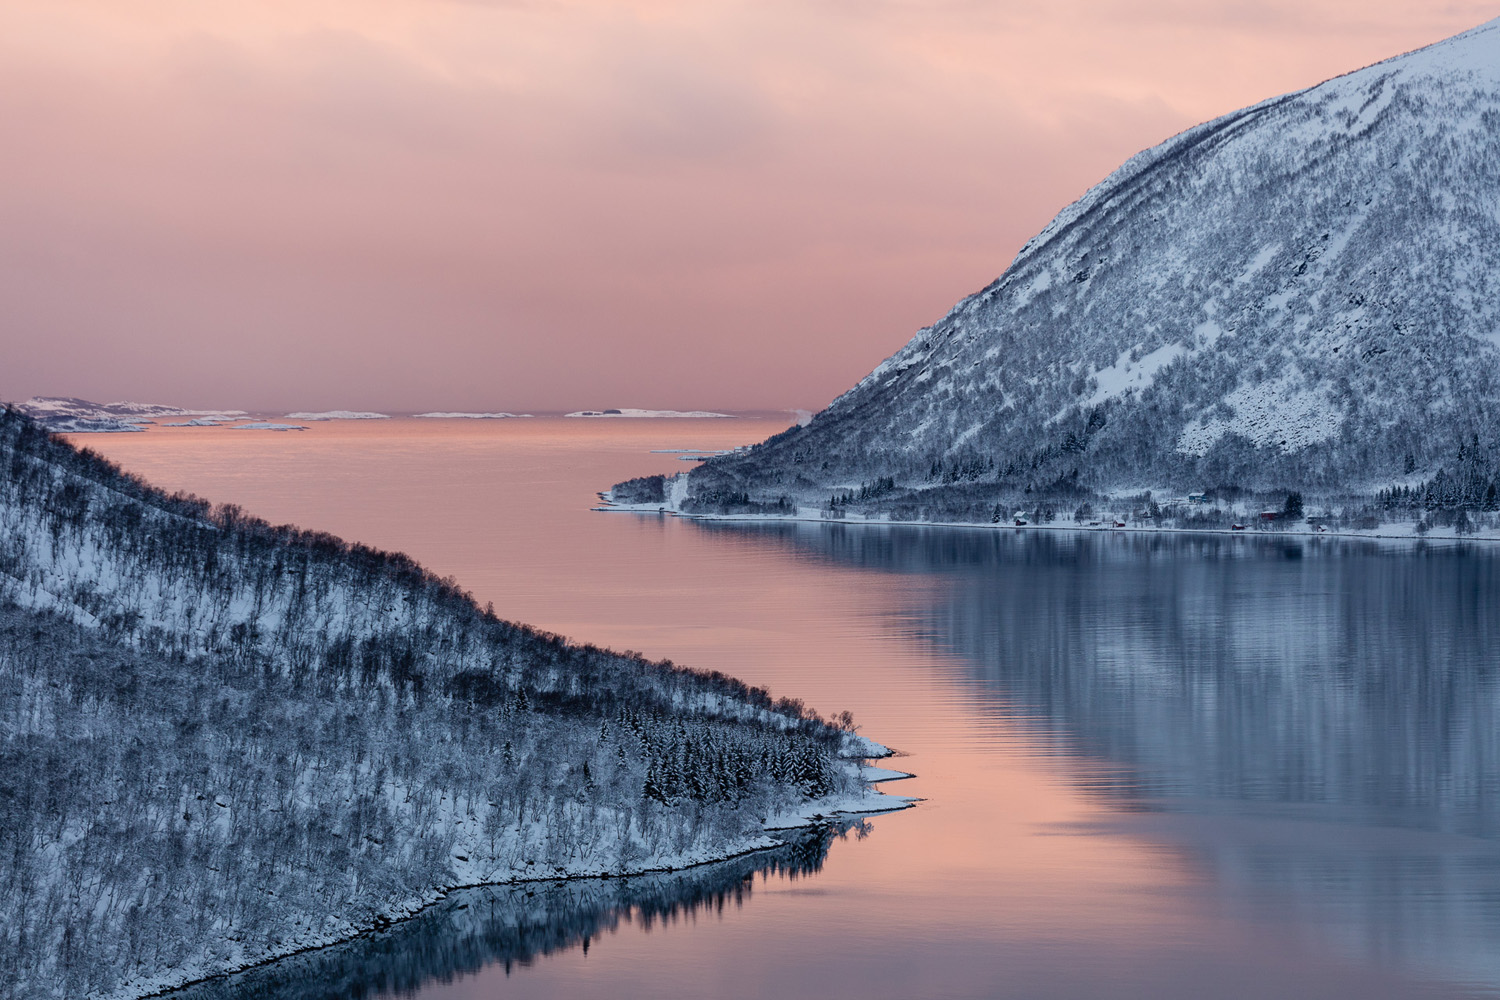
1154 766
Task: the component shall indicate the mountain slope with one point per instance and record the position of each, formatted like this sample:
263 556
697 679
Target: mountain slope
1301 294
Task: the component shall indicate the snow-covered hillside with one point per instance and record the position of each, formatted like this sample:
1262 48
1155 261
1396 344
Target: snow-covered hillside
1304 295
222 741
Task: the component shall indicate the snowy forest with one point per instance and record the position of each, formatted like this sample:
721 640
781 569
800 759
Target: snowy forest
225 741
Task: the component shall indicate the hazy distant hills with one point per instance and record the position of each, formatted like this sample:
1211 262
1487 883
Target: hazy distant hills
71 415
1302 294
43 407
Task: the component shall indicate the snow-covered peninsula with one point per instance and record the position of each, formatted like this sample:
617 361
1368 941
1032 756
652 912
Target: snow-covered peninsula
227 741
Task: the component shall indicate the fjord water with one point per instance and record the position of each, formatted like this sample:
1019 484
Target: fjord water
1153 765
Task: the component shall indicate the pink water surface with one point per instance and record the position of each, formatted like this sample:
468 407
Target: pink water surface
1025 872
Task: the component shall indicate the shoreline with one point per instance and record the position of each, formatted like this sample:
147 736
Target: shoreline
1374 534
839 807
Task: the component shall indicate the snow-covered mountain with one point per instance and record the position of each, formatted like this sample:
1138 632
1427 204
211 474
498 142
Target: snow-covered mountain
1303 295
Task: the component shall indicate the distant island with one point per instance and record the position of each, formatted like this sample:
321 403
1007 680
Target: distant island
325 415
226 741
460 415
627 412
1286 317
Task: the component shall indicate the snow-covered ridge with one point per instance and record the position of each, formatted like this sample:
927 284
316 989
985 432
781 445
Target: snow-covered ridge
1303 295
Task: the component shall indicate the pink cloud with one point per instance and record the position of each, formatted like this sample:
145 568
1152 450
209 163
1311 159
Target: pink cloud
406 205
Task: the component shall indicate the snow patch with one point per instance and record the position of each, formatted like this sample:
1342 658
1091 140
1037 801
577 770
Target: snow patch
1281 414
1207 334
1132 376
1258 263
677 492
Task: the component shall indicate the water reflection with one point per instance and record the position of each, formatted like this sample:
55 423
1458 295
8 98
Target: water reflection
1152 767
1316 722
512 925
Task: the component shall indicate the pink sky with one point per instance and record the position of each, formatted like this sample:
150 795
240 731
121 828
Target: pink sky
523 204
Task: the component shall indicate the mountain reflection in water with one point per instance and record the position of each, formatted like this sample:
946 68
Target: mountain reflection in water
517 923
1315 722
1152 766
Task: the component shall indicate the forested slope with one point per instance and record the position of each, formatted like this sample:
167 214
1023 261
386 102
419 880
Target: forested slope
221 741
